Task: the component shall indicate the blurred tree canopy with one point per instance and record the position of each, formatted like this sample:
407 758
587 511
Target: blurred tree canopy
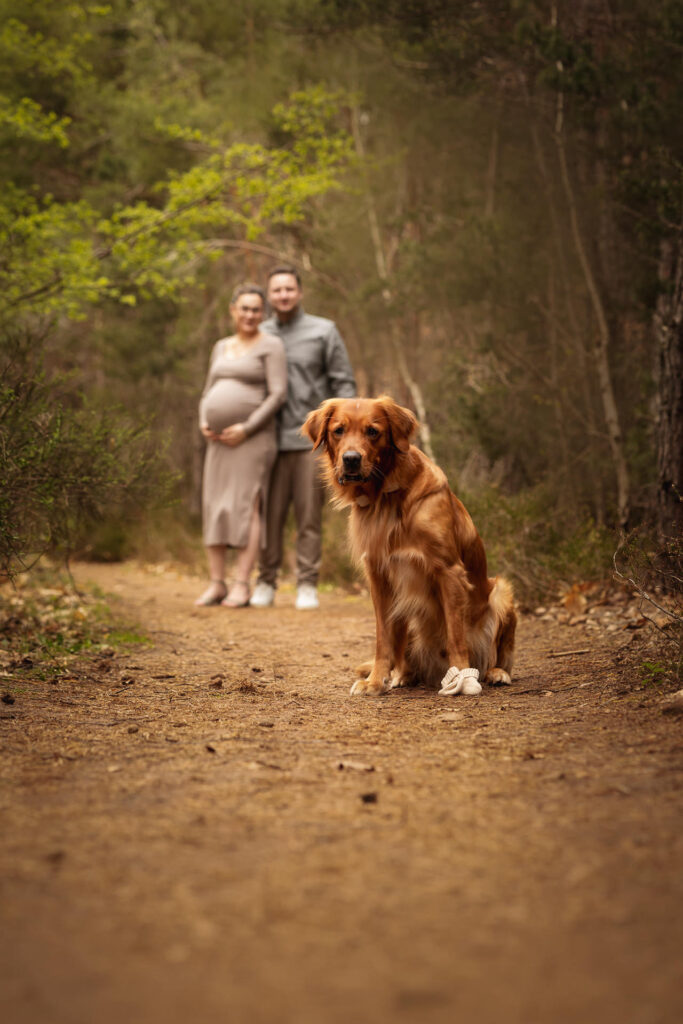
487 197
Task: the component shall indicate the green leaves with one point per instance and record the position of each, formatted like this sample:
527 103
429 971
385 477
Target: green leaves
49 265
62 257
65 465
26 120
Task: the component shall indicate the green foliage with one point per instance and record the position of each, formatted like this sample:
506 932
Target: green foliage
528 539
50 265
63 248
655 674
65 465
26 120
63 258
245 188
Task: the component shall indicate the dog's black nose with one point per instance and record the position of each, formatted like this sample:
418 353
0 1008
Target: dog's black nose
351 461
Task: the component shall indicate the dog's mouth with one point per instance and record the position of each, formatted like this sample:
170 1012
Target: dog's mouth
351 478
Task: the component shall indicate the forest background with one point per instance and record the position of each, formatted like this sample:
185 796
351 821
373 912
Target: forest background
487 198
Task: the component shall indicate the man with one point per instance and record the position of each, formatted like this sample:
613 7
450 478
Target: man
318 367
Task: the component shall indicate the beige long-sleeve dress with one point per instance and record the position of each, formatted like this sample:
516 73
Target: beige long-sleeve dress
247 388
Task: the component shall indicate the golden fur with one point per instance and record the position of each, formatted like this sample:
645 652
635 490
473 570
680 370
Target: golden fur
435 605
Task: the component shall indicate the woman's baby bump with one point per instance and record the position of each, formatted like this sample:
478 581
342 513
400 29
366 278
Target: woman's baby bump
229 401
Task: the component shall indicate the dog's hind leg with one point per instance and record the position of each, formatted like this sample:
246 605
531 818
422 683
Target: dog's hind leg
461 677
500 674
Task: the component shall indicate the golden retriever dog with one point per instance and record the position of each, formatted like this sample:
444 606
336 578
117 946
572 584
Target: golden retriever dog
440 618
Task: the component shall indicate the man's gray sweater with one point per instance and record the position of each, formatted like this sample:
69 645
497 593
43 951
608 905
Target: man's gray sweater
318 367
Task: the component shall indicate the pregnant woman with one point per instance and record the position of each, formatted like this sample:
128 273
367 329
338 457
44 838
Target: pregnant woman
245 386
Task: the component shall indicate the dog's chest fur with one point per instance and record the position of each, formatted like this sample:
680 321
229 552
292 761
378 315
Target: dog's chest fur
383 540
377 528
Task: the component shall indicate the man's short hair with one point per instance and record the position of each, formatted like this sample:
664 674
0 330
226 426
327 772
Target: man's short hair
285 268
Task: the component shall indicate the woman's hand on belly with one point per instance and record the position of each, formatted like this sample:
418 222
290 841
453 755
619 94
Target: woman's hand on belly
232 436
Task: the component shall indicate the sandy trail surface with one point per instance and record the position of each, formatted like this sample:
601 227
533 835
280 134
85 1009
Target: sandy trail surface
209 828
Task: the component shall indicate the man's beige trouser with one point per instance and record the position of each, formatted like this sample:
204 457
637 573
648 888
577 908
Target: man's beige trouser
295 480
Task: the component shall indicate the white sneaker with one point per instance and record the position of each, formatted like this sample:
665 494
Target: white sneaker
263 596
306 597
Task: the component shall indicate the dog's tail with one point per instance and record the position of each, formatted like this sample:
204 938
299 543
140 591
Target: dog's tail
502 602
365 669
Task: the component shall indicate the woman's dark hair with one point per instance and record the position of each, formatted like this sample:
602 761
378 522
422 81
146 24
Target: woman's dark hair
249 289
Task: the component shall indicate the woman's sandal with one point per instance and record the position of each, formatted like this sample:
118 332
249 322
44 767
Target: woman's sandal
231 601
214 594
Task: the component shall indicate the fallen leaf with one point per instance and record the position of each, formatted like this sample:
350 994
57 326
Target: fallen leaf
574 601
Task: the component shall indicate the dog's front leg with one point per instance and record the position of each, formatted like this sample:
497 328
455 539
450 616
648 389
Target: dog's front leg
378 681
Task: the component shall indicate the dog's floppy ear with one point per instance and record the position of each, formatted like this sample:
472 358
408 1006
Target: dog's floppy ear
402 423
315 424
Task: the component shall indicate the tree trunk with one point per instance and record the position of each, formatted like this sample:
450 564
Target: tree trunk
669 336
574 330
609 405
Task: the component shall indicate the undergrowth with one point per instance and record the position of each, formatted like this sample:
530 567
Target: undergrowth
653 567
45 623
527 542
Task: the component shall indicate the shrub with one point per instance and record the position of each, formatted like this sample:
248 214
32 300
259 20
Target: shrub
652 565
527 539
65 465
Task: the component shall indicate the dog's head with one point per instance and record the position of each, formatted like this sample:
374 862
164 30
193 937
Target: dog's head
363 437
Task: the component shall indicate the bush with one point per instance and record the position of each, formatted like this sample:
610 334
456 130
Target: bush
527 540
65 465
652 565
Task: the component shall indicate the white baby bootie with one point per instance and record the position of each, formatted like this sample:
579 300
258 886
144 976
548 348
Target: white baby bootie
461 680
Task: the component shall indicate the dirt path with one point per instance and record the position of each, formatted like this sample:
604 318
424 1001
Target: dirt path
180 842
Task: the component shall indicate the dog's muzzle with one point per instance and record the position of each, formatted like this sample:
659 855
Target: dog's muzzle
351 466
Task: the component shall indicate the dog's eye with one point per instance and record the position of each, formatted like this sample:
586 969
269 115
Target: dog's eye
372 432
338 431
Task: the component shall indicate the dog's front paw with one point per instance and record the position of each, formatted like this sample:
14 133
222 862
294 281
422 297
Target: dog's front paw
370 687
498 677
